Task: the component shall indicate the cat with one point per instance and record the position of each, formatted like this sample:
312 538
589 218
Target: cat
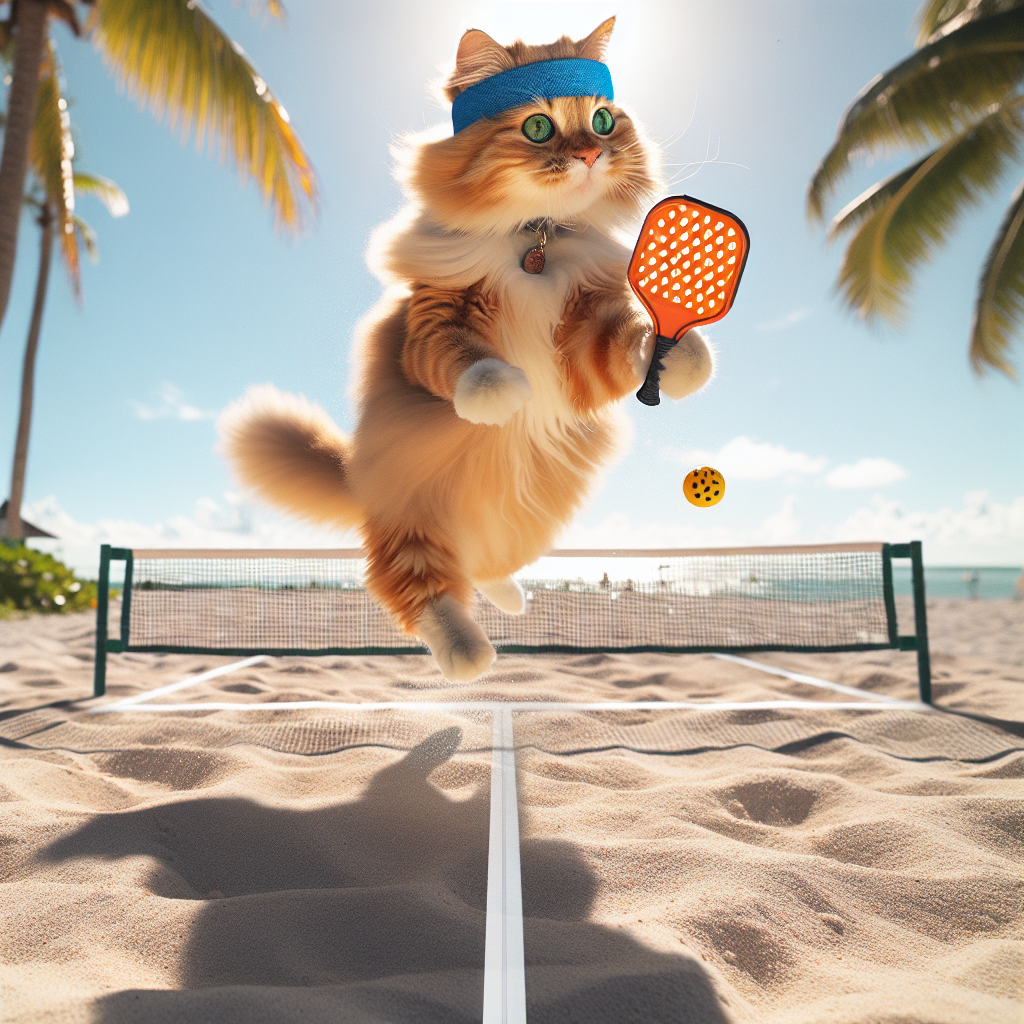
487 394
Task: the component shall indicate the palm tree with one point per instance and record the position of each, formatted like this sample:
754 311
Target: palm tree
52 197
174 59
960 95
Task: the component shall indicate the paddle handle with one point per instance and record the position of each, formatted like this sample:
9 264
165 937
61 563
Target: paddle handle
649 392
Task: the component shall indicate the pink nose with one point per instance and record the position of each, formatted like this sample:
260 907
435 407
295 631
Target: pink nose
588 156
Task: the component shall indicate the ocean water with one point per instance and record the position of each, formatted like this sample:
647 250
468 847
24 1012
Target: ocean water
959 581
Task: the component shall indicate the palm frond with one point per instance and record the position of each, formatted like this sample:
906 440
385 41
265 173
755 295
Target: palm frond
88 237
51 151
64 10
933 94
174 59
904 219
940 17
262 8
1000 306
105 190
934 13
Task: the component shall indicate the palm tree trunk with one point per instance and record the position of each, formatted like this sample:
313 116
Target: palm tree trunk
21 106
28 375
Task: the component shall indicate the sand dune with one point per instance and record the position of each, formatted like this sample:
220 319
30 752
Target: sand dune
789 866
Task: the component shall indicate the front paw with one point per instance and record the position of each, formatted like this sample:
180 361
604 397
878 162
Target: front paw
688 366
491 392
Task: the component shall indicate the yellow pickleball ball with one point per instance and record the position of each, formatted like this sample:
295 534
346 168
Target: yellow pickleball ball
704 486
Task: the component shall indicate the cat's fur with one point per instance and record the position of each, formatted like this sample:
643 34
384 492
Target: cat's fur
487 396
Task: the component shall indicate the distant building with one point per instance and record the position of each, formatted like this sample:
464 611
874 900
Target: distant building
27 529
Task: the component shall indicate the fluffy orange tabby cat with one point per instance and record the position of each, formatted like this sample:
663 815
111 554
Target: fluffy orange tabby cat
487 389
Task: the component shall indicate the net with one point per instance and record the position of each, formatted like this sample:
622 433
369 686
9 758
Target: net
808 598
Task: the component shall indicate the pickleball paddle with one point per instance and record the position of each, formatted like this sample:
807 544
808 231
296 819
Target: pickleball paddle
685 269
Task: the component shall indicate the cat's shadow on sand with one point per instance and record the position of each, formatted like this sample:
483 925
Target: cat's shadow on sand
373 911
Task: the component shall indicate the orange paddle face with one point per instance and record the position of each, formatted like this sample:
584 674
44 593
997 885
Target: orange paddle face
687 264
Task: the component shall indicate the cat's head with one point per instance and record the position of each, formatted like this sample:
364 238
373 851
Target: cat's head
573 159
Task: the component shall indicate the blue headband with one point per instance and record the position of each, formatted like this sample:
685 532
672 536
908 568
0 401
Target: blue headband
546 79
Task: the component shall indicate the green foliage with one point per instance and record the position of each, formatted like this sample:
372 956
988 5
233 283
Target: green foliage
933 95
176 61
903 219
940 17
33 581
1000 305
960 95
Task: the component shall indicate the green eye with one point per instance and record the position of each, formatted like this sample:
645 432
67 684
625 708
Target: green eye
539 128
603 122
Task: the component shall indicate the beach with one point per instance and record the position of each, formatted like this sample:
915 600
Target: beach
779 865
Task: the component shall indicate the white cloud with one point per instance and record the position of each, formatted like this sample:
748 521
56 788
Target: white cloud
865 473
230 523
980 532
745 459
173 407
794 316
781 527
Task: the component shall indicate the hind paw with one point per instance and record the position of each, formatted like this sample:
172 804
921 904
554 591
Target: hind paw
459 646
505 594
491 392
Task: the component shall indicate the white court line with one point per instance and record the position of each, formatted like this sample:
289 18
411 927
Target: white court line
526 705
191 681
504 959
870 701
504 1000
798 677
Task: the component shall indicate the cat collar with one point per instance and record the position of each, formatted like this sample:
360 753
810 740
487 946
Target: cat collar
545 79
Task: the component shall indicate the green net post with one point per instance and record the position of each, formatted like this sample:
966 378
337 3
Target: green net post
889 595
126 593
924 665
99 677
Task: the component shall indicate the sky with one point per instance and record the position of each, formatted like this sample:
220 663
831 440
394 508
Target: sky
824 429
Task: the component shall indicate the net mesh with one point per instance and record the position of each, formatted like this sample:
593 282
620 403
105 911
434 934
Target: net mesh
823 600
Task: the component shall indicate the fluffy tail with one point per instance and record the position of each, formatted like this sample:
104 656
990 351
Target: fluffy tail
287 450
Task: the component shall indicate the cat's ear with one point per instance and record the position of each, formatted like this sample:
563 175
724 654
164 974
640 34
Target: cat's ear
478 58
594 46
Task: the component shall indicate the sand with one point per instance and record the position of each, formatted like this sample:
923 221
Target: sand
259 866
